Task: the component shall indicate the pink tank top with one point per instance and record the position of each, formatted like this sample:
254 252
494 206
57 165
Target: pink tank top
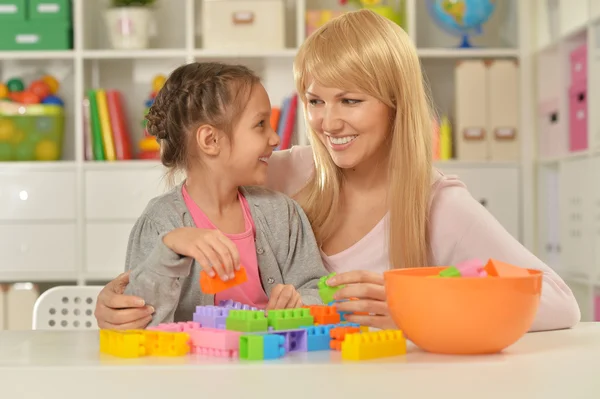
250 293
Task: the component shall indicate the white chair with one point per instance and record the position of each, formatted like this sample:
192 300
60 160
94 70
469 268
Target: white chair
66 308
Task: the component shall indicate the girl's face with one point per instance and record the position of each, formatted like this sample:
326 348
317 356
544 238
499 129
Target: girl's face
353 126
253 141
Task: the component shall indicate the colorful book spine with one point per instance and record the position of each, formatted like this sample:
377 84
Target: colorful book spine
107 135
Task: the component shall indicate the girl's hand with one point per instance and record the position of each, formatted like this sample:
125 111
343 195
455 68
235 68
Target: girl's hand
211 249
369 288
284 296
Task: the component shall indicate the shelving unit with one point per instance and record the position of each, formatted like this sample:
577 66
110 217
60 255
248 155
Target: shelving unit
568 146
74 224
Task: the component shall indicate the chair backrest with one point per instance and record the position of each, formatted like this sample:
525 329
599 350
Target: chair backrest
66 308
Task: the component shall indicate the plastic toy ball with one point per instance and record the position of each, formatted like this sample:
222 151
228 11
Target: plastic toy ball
158 83
3 91
16 96
53 100
52 83
15 85
40 88
28 97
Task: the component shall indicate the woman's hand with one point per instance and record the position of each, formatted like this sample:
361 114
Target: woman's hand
211 249
369 288
121 312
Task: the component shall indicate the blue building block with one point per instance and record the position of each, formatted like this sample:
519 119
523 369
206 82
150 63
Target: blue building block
274 346
318 337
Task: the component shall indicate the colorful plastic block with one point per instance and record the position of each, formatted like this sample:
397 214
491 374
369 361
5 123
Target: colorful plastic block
261 347
290 319
247 321
338 335
183 326
324 314
496 268
214 285
373 345
318 338
450 271
136 343
211 316
325 291
295 340
215 342
472 268
231 304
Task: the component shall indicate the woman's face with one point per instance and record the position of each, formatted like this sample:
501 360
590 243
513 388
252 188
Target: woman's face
352 125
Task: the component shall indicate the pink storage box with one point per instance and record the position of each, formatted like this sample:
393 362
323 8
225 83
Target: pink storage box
578 117
553 134
597 308
579 64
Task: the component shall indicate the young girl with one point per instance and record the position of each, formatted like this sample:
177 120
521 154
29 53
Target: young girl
212 121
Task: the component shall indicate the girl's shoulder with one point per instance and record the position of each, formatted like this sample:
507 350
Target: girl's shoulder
290 170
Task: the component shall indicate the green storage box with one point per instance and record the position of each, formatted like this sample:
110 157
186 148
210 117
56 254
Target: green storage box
13 10
31 132
38 35
55 10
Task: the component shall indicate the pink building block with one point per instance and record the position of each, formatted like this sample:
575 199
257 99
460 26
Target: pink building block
183 326
215 342
472 268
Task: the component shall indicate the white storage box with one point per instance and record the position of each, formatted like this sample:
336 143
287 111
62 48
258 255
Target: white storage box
243 24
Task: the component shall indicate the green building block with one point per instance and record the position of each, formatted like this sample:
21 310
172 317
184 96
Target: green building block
246 321
252 347
326 292
450 271
290 319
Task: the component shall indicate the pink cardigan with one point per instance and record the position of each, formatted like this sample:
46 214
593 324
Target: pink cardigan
460 229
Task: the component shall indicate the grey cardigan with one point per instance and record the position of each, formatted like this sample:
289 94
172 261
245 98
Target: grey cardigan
286 248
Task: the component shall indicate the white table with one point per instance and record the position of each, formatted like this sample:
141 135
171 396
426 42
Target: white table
560 364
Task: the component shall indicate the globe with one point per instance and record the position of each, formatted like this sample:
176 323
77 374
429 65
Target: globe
461 17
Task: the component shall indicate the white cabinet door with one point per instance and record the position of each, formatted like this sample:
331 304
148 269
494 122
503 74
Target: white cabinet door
576 251
496 188
105 248
549 245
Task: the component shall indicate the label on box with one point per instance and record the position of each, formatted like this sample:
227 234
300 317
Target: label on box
48 8
8 9
27 39
473 133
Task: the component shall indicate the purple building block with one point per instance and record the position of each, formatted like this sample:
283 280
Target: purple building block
211 316
231 304
295 340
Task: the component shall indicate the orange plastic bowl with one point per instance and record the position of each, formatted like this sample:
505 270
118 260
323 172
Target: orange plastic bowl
462 315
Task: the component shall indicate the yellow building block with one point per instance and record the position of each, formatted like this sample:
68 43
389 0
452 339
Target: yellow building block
136 343
373 345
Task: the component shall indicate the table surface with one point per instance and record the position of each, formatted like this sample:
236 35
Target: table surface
557 364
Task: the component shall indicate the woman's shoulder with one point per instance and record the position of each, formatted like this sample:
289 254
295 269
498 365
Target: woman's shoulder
290 170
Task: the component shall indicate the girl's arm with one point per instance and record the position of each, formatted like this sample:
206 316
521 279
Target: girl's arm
156 271
462 229
304 266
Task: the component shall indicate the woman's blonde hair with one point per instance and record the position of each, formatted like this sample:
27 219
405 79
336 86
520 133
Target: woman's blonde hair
364 51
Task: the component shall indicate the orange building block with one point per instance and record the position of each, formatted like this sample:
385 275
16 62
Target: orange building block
215 284
324 314
496 268
338 334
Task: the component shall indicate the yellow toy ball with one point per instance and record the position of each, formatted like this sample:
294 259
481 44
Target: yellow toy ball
46 150
7 129
3 91
158 82
52 83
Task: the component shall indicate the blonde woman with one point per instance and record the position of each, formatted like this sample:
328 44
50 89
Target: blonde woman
367 182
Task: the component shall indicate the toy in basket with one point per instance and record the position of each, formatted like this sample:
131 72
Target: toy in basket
31 120
149 147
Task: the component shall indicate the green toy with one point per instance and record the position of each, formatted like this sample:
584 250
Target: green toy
325 291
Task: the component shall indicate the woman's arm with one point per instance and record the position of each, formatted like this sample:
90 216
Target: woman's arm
461 229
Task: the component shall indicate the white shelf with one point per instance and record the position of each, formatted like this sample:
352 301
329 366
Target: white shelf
134 54
38 276
458 53
286 53
37 55
477 164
